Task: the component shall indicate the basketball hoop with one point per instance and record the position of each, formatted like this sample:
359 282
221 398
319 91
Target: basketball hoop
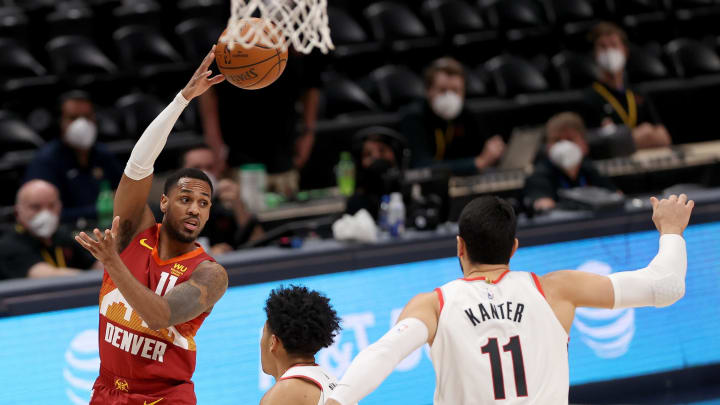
302 23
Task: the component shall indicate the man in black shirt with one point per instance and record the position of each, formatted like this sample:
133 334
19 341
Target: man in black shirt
611 101
441 132
75 163
36 247
564 166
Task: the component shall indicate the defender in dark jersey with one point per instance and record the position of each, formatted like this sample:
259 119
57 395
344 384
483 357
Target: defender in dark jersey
159 284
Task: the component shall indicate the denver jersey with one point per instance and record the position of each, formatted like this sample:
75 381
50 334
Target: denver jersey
499 342
128 347
313 374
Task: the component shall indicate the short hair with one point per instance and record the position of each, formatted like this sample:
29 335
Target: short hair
186 173
202 146
75 95
302 319
605 28
447 65
565 120
487 225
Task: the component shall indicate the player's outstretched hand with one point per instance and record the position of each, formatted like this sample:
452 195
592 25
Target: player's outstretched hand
103 246
672 214
201 80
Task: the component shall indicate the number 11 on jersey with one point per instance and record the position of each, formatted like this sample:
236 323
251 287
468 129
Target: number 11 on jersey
492 349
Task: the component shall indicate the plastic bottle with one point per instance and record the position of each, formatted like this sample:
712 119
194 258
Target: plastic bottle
104 206
345 174
383 214
396 215
253 182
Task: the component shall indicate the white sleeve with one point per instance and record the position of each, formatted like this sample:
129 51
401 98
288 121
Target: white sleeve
660 284
377 361
152 141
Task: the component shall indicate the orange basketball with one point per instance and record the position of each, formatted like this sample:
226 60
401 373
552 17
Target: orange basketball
253 68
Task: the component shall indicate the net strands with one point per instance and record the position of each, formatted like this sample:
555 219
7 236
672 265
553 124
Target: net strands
300 23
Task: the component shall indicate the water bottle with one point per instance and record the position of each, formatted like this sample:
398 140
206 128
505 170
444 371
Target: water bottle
383 214
345 174
104 206
396 215
253 182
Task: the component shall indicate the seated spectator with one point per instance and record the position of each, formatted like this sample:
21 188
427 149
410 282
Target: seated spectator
565 165
377 152
230 224
75 163
441 131
37 247
610 100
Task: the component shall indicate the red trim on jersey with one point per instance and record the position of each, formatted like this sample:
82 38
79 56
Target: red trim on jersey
189 255
537 284
440 298
313 364
483 277
303 377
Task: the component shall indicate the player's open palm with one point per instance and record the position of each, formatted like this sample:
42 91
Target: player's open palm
672 214
201 80
102 246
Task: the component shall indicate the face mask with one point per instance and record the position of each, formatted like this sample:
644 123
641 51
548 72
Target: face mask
447 105
44 224
81 133
611 60
565 154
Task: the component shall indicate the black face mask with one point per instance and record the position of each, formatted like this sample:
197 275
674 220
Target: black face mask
381 177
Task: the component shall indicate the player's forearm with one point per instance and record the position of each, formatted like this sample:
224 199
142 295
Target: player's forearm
151 143
660 284
152 308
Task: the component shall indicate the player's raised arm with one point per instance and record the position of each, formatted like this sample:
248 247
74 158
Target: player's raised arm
659 284
132 193
417 325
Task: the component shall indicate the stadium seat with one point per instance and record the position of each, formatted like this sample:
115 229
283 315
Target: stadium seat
395 86
70 18
198 35
575 18
459 23
398 28
342 96
512 75
348 36
136 111
643 66
17 62
73 55
696 18
574 70
216 10
16 135
144 12
145 50
13 23
475 83
524 23
692 58
644 20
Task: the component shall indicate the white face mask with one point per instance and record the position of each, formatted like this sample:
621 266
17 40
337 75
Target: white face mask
447 105
565 154
81 133
611 60
44 224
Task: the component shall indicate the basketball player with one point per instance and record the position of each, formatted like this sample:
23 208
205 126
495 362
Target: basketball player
498 334
300 322
159 285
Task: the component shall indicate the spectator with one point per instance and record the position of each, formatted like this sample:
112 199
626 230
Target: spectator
37 247
441 131
244 126
378 153
230 224
75 163
611 101
566 164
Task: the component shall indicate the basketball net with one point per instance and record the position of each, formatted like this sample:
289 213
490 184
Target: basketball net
302 23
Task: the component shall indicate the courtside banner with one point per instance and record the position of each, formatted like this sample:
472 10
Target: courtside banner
53 357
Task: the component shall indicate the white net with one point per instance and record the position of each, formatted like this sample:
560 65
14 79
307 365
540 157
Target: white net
300 23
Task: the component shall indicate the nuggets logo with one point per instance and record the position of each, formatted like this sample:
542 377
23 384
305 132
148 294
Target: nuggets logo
121 385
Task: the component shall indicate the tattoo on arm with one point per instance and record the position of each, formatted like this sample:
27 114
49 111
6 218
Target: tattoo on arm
198 294
125 234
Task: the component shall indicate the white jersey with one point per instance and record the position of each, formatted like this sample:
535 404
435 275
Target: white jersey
499 343
316 375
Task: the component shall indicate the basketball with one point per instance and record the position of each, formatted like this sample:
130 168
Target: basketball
252 68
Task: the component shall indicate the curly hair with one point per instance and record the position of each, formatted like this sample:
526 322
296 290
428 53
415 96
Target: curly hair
302 319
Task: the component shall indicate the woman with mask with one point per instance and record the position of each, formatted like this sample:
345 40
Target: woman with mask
565 164
36 247
610 101
441 132
75 163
